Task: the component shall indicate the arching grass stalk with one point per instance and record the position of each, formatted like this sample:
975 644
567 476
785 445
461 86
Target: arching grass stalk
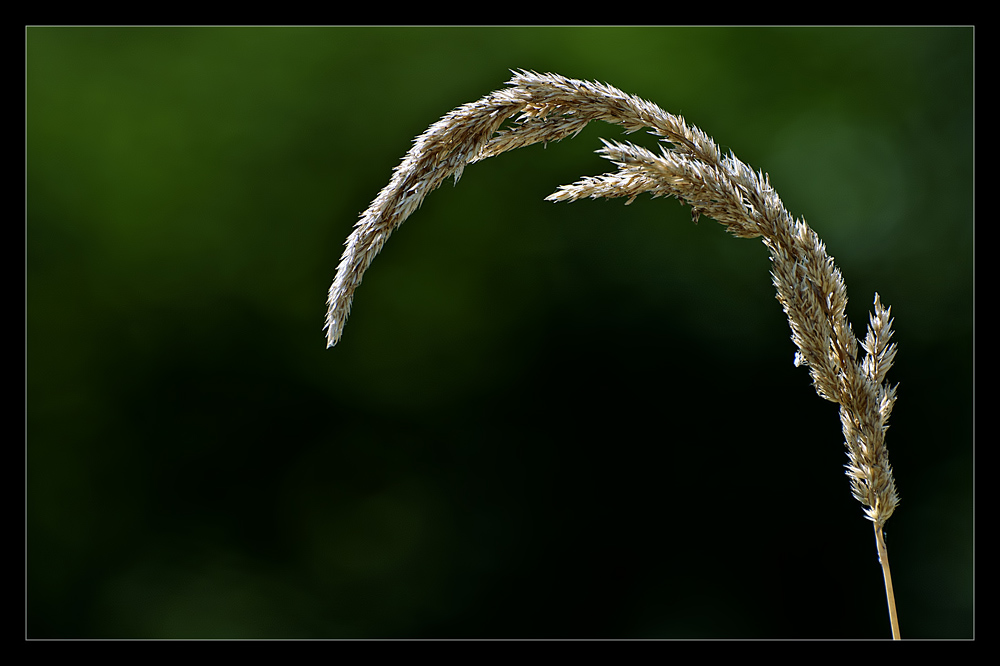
690 167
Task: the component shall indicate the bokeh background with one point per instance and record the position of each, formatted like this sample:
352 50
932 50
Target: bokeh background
544 420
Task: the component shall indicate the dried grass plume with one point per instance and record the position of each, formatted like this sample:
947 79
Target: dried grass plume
690 167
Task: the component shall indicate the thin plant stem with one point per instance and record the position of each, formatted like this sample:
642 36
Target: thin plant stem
883 558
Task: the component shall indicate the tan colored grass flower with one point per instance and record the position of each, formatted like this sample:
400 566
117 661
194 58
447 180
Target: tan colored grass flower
691 168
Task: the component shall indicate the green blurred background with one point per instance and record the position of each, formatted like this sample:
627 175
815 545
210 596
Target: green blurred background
544 420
